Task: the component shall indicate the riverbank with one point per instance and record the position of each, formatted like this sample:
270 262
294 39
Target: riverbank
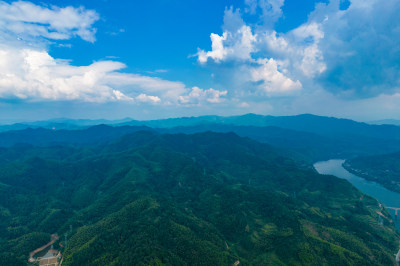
381 178
371 188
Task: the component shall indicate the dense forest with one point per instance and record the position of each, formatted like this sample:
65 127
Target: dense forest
311 138
147 198
383 169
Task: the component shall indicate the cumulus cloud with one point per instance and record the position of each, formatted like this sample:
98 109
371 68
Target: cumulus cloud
170 90
198 96
230 46
32 74
348 53
304 53
26 19
28 72
236 43
360 47
148 98
273 81
35 75
243 49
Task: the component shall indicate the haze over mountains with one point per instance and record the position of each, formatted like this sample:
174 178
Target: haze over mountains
192 191
291 122
314 137
386 122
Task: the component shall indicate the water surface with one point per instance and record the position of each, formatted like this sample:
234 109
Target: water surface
383 195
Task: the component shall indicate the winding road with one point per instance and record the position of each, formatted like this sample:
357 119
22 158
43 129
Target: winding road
54 238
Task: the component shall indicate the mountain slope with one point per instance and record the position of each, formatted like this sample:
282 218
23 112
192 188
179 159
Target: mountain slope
383 169
306 146
202 199
325 126
309 146
48 137
313 138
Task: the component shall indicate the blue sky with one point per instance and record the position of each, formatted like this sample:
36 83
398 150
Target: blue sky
169 58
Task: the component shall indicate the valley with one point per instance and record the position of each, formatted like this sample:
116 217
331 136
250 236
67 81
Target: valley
193 198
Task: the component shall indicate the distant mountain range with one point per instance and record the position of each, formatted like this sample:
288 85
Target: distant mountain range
305 122
290 122
386 122
312 137
62 123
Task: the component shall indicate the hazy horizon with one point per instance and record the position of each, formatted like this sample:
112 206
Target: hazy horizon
159 59
63 119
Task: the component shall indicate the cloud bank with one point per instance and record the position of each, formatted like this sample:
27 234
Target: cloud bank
350 54
342 61
29 73
25 19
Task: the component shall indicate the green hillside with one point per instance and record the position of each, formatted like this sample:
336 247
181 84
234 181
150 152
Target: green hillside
383 169
202 199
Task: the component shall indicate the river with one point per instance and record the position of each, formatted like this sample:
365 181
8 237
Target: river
383 195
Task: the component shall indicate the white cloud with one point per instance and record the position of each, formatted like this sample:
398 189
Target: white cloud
274 43
35 75
218 51
299 48
30 73
236 43
26 20
170 90
359 47
148 98
344 63
230 46
245 55
352 52
312 63
198 96
311 30
121 97
273 81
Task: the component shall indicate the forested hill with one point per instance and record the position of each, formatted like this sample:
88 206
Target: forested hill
310 146
321 125
305 145
175 199
383 169
49 137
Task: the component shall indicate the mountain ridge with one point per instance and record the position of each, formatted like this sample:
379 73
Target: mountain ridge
148 198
